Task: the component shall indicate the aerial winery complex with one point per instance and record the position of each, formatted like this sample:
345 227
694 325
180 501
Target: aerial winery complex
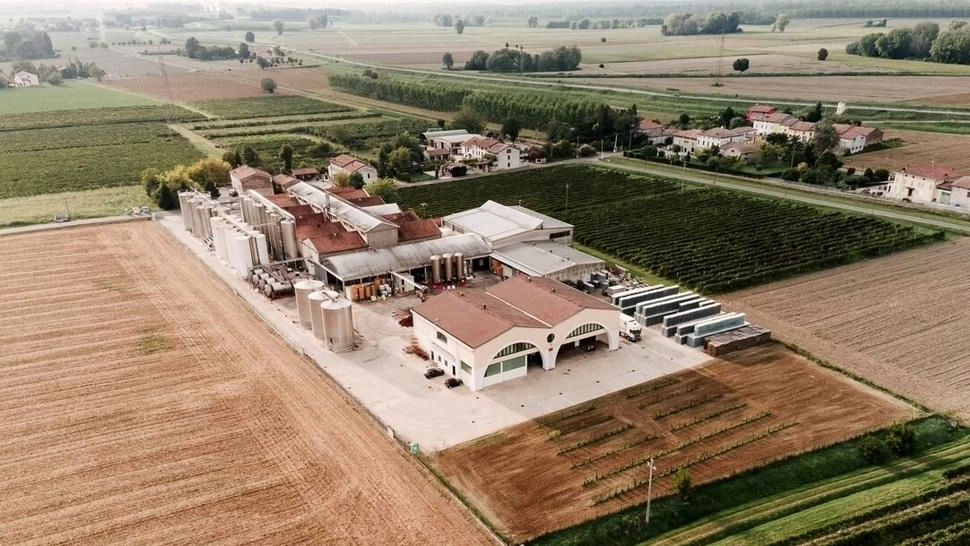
533 273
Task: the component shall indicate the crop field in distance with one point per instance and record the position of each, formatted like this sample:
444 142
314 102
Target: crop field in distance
729 415
68 96
267 106
899 321
144 419
678 232
918 148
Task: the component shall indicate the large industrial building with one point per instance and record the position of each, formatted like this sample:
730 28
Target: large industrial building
484 337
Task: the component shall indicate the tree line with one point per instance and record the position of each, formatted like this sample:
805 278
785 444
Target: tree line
508 59
687 24
922 42
26 44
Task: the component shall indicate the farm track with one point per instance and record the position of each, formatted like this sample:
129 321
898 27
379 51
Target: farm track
898 321
142 402
769 509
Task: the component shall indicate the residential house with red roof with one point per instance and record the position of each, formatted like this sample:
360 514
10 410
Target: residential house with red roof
350 164
926 184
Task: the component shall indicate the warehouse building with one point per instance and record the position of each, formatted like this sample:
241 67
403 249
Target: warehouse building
484 337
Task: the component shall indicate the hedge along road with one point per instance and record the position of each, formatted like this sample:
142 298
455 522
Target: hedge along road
798 194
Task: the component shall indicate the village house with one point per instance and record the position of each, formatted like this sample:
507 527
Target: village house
652 130
855 138
478 147
721 137
925 184
776 122
685 138
960 192
350 165
741 151
759 111
247 178
25 79
305 174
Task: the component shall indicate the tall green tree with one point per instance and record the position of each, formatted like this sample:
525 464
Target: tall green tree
447 61
250 37
741 64
250 157
468 120
278 26
244 52
286 155
459 26
826 137
511 127
268 84
385 188
823 54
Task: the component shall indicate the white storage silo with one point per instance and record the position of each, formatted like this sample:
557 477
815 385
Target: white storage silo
303 290
218 241
242 258
290 246
262 249
338 323
184 199
316 315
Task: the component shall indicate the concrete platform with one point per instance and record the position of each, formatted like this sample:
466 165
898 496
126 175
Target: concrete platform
390 384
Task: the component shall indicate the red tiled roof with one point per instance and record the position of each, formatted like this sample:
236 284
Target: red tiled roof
646 125
803 126
283 200
741 147
284 180
412 228
962 182
934 172
250 178
315 225
305 171
762 108
436 152
546 299
686 133
780 118
366 201
349 163
300 211
347 192
332 243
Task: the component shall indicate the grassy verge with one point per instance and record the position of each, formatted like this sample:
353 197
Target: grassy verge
41 209
829 465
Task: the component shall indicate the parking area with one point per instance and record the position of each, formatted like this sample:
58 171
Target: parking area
391 383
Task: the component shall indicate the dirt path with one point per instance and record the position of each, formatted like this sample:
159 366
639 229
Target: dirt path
142 402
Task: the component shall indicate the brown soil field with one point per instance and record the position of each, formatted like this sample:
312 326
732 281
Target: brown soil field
899 321
192 86
729 415
142 402
918 148
827 88
770 63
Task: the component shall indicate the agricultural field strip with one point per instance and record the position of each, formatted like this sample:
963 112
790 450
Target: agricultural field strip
84 136
769 239
271 106
96 116
249 122
772 508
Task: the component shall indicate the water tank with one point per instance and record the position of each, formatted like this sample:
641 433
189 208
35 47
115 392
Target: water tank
274 235
218 241
241 258
460 265
303 290
338 321
261 248
290 247
316 314
184 198
435 269
449 269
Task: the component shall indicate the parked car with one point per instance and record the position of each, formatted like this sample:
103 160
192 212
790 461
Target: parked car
453 382
433 372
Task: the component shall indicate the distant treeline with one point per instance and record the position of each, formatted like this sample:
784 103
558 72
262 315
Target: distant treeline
922 42
561 59
688 24
26 44
562 116
291 14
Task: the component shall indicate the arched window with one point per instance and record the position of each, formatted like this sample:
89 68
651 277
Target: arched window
588 328
515 348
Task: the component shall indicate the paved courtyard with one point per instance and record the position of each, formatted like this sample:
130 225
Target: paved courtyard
390 384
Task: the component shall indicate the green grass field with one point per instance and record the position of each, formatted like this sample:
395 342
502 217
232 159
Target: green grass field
39 209
69 96
266 106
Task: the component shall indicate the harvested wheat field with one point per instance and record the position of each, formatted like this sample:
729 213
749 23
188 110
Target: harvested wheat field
192 86
141 402
901 321
918 148
732 414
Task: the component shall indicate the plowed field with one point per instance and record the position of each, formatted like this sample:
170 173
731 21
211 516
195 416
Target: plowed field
724 417
141 402
918 148
902 321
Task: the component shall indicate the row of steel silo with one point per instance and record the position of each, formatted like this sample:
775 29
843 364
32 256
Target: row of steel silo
235 242
447 267
278 227
329 316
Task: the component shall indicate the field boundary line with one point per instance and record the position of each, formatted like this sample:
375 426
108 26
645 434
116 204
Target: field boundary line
74 223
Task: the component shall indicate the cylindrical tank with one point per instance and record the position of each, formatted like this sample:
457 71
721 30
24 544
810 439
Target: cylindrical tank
272 232
261 248
290 246
449 271
218 242
241 257
184 199
338 323
316 315
459 265
435 269
303 290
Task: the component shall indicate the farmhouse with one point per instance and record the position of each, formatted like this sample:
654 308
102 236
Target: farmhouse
485 337
652 130
446 140
350 164
924 184
802 130
247 178
759 111
855 138
685 138
742 151
483 149
25 79
721 137
775 122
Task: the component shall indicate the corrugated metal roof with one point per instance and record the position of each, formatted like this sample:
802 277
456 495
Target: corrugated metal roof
548 222
357 217
495 221
381 210
380 261
543 258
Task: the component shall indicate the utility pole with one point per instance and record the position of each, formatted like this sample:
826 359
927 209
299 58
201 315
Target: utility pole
652 467
567 198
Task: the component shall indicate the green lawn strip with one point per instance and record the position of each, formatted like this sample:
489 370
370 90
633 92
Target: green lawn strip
785 192
69 96
748 490
899 481
270 105
97 203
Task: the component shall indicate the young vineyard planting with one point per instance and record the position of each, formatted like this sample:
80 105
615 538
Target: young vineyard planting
712 240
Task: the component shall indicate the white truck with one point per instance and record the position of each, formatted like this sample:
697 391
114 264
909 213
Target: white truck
630 329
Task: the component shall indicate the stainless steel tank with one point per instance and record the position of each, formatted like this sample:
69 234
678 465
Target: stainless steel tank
316 315
435 269
449 266
303 290
338 320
